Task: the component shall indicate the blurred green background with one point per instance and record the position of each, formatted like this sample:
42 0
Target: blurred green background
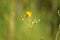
11 26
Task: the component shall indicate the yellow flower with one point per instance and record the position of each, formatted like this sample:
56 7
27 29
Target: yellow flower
29 14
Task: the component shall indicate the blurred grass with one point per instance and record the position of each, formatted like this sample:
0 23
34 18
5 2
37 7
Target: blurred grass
11 26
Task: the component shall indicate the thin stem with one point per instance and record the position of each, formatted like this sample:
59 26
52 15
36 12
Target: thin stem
57 35
58 32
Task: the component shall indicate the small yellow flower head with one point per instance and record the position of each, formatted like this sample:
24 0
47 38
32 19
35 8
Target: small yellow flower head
29 14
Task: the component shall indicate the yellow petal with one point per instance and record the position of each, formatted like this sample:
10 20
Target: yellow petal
29 13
